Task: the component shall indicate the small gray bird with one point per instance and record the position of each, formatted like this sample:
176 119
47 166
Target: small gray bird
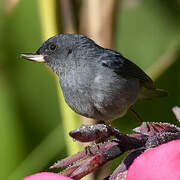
96 82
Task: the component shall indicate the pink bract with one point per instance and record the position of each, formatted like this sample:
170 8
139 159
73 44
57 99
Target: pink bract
160 163
46 176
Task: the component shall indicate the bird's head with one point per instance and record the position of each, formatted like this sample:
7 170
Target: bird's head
61 51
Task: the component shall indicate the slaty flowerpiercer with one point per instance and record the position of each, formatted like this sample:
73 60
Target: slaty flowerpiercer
96 82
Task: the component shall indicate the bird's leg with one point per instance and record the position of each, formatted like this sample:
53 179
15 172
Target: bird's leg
136 114
88 150
107 122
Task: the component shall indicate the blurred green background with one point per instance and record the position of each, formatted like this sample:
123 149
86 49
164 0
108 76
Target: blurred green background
34 121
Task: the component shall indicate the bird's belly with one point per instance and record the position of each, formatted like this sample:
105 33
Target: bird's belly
80 101
104 101
113 100
113 108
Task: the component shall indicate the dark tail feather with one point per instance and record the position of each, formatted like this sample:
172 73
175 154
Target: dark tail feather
153 93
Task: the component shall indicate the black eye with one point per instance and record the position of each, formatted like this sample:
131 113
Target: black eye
52 47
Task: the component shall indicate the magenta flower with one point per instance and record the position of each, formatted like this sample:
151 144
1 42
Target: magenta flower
46 176
160 163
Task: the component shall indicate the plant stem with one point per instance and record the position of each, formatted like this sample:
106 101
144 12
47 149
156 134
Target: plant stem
48 19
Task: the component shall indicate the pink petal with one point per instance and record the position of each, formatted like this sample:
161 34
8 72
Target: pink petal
46 176
176 111
160 163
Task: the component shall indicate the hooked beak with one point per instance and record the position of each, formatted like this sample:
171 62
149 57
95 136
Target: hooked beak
33 57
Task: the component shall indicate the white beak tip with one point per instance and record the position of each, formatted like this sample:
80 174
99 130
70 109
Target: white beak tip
33 57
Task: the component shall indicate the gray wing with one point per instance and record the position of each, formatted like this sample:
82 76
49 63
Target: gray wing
126 68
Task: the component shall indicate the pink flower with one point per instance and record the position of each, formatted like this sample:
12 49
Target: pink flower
46 176
160 163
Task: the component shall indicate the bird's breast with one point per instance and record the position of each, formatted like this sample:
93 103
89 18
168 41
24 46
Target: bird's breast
102 95
77 93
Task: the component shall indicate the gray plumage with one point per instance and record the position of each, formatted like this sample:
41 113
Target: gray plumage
96 82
